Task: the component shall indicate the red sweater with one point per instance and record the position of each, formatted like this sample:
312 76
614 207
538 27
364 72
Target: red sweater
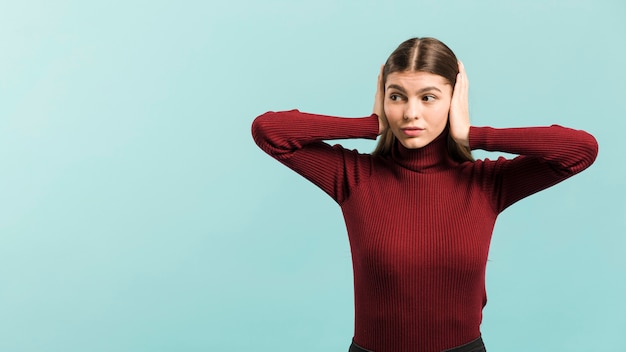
419 223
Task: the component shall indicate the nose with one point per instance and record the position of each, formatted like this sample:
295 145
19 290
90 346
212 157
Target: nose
412 111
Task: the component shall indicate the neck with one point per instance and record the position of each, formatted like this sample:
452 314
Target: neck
430 158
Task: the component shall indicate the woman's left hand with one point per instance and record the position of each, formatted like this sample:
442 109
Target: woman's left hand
459 109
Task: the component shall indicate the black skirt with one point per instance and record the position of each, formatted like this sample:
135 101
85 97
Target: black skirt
474 346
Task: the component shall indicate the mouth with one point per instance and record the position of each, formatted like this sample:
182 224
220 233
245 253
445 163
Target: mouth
412 131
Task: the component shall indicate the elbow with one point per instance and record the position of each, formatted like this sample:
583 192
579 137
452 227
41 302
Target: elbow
587 151
269 133
591 149
261 127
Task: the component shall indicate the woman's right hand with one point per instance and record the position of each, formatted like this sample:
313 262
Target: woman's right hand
378 103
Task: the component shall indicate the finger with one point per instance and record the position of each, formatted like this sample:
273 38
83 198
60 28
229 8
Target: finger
462 73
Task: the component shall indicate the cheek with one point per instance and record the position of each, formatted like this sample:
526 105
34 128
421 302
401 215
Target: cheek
442 116
393 113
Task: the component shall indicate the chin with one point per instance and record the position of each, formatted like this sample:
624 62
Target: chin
414 143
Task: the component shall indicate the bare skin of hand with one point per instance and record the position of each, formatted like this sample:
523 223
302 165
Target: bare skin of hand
459 109
378 103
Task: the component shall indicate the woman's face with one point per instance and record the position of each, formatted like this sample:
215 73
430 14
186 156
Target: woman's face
416 105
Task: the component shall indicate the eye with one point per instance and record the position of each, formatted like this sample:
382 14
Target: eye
395 97
429 98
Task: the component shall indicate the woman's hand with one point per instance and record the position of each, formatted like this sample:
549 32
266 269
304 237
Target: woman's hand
378 103
459 109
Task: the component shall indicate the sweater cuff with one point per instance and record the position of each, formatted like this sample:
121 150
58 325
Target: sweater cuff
373 126
479 137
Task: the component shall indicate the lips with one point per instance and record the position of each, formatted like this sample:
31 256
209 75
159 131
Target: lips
412 131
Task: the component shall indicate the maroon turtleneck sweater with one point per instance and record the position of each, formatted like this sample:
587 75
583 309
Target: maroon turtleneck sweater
418 222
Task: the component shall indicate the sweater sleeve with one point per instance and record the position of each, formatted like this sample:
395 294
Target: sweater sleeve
547 156
296 139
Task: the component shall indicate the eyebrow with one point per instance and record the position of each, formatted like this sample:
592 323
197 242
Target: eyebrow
425 89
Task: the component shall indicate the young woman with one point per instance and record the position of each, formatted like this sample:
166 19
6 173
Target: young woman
420 210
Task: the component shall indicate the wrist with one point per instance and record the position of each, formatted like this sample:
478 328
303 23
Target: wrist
382 124
461 136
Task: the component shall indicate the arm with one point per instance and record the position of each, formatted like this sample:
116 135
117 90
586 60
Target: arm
296 139
547 156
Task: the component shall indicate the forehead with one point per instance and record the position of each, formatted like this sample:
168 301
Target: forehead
416 79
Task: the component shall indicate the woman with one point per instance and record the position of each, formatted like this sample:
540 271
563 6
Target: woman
419 210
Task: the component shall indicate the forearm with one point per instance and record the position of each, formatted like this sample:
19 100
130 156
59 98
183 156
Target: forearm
567 149
283 132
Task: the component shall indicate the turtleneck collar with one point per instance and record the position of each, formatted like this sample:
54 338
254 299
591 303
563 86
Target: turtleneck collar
430 158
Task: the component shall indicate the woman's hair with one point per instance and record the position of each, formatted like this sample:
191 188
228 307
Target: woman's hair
423 55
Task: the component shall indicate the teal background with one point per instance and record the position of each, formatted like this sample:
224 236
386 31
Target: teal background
136 213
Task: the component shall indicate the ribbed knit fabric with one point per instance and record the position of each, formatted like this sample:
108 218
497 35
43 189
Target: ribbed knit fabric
419 223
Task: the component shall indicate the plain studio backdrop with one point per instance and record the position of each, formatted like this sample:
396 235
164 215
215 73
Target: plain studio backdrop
137 214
